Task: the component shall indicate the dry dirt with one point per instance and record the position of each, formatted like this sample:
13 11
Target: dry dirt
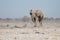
25 30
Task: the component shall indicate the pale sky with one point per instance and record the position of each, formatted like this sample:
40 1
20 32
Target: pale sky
20 8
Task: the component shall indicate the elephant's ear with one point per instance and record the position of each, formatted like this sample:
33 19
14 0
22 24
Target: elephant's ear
31 12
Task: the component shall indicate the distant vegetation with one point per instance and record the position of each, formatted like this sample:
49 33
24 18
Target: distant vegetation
26 18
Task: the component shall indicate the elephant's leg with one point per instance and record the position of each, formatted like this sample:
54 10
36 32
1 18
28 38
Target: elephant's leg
34 21
40 20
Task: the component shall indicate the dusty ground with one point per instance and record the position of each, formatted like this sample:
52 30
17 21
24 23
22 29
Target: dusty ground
25 31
